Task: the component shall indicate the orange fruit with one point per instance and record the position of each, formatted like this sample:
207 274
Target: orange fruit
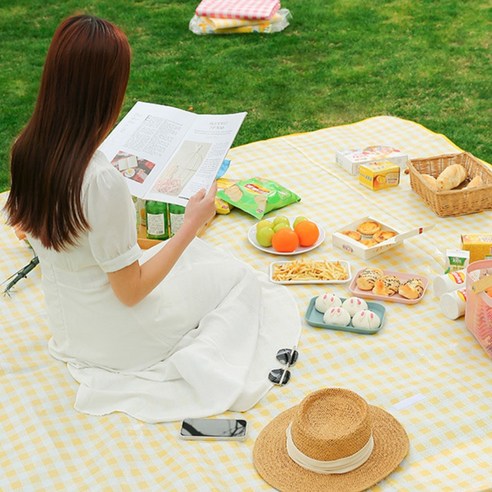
285 241
307 232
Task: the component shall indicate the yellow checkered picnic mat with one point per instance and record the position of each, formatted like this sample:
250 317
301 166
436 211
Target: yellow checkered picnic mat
425 369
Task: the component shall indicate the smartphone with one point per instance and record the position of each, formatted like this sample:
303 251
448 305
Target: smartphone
214 429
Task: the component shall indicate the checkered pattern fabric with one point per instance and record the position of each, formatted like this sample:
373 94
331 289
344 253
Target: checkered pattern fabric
238 9
426 370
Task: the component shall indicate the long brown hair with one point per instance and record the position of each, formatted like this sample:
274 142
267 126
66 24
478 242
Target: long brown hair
81 93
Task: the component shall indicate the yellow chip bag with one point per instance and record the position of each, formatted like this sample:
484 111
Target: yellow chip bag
222 207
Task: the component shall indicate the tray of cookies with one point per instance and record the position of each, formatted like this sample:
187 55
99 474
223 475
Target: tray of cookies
368 237
351 314
387 285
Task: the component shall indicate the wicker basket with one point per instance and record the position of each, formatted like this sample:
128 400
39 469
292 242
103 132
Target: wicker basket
458 201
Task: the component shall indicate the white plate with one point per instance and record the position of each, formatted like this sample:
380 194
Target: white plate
129 173
298 251
346 264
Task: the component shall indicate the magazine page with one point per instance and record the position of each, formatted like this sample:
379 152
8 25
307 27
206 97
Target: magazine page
168 154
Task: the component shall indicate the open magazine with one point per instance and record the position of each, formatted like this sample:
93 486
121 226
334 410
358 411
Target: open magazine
167 154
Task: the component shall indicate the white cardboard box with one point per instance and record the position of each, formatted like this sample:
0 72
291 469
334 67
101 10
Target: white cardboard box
351 159
350 245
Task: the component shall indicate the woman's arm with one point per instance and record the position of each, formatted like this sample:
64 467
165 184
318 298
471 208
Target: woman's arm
132 283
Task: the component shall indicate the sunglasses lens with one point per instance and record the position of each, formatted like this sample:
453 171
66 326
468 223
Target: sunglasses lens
287 356
279 376
293 357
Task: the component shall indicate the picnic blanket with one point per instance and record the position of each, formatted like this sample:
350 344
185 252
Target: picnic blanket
238 9
426 370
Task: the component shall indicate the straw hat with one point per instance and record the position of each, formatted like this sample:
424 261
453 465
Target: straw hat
332 440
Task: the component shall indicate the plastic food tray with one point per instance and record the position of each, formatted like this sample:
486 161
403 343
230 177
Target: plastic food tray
315 318
368 294
346 265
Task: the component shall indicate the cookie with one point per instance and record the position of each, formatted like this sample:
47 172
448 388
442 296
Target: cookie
353 234
369 228
369 242
383 235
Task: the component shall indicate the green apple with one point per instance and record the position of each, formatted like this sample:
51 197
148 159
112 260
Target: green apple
280 219
264 223
281 225
299 219
264 236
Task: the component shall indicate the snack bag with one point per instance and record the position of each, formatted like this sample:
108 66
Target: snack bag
258 196
222 207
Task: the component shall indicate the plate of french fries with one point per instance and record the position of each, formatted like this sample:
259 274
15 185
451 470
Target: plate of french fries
310 272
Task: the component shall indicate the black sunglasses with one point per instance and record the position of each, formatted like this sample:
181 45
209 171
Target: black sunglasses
288 357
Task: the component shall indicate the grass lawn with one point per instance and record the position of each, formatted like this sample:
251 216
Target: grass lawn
338 62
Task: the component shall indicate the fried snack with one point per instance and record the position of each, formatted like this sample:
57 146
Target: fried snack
309 270
353 234
367 278
387 285
412 288
369 242
383 235
369 228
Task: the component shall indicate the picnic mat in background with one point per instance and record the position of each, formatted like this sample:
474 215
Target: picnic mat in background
425 369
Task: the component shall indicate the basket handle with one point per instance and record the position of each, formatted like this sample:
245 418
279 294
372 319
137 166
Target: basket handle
482 284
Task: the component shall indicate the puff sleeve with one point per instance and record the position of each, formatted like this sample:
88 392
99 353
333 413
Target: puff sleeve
111 215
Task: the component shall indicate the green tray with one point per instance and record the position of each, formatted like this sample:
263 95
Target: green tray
315 318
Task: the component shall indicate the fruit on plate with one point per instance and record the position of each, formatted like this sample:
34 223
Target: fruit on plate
308 232
281 225
285 240
279 219
264 236
298 219
264 223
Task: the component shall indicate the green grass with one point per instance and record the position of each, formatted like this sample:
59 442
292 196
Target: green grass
338 62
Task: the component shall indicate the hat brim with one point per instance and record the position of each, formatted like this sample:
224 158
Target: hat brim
276 467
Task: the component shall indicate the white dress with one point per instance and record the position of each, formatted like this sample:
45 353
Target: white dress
202 342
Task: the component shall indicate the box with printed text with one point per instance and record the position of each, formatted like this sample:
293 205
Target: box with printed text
350 160
379 175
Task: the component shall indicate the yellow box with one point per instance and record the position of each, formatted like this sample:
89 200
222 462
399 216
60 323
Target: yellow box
379 175
479 245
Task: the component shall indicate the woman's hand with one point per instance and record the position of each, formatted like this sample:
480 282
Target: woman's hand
200 208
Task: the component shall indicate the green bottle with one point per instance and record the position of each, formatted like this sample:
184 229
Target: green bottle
176 217
157 218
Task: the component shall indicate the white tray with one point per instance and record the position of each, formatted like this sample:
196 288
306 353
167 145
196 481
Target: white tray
346 264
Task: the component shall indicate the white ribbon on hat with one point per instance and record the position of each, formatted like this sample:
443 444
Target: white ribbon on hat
342 465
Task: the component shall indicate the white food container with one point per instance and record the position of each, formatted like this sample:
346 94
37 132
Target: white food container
350 245
351 159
